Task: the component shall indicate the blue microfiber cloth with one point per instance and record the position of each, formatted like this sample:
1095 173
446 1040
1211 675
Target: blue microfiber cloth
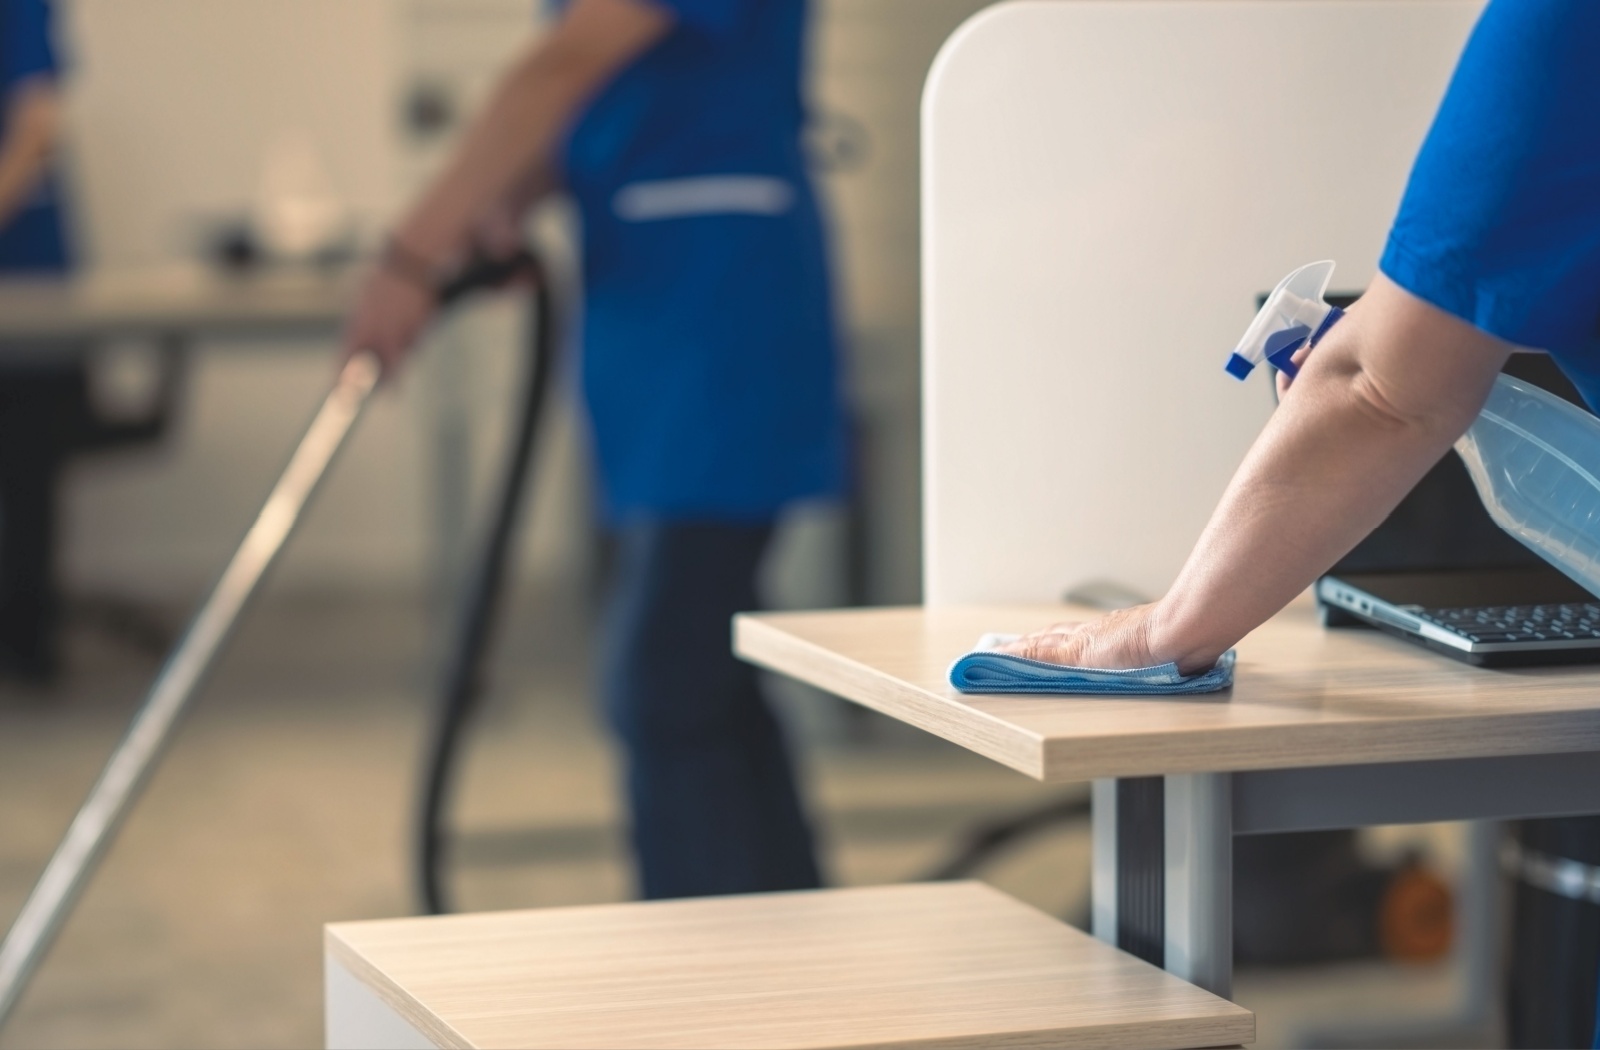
986 671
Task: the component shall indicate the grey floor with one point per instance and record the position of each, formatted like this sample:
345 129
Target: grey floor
284 804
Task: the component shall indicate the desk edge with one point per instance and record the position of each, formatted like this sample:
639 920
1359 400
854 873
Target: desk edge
770 646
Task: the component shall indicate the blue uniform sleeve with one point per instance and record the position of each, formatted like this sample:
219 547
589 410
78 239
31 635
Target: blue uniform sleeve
26 49
1500 222
714 16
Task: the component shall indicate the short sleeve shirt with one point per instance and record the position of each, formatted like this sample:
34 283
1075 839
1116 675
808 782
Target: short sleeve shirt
709 349
1500 223
33 239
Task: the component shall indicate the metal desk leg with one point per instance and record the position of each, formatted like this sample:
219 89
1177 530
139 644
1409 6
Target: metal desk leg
1129 846
1163 873
1481 999
1199 879
1103 860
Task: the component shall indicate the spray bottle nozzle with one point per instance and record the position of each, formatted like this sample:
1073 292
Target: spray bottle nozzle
1293 316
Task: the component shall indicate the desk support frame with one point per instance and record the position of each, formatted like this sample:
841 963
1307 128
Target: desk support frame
1198 865
1329 797
1162 882
1191 862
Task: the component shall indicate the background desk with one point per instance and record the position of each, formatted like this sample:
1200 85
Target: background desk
179 307
1323 729
181 303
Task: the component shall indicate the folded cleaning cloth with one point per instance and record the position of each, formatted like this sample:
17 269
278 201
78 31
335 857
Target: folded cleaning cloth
985 671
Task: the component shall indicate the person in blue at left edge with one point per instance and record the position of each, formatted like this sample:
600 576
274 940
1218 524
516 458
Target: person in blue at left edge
38 397
709 375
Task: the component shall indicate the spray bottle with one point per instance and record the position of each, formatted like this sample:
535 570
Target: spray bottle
1534 458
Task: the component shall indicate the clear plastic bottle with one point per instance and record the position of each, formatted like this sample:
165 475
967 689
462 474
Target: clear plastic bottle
1534 459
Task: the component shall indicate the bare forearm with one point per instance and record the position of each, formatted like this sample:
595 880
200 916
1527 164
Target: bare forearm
32 128
1375 406
507 152
512 137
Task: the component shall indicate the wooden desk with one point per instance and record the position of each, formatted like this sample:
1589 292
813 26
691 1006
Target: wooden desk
1303 696
1322 729
945 965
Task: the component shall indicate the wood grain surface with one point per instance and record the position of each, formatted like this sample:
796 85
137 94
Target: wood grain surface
942 965
1302 696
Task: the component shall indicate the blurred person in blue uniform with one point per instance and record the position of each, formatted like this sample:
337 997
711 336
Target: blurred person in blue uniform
708 370
40 394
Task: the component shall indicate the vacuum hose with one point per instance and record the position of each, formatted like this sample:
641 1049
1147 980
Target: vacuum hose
480 607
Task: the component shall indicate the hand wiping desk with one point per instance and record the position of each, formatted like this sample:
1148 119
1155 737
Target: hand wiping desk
988 670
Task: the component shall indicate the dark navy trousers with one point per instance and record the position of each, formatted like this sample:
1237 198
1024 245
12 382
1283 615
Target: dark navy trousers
710 785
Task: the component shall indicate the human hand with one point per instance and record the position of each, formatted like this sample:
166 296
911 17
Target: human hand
1118 640
390 313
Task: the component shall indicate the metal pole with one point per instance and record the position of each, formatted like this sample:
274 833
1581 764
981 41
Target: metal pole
130 766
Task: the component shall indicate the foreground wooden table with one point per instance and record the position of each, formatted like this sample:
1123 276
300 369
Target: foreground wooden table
1322 729
945 965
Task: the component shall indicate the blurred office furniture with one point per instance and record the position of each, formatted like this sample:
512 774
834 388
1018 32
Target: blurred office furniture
1107 189
180 307
947 965
176 305
1554 867
48 417
49 324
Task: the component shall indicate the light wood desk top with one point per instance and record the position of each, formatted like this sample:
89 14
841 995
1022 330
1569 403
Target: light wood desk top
943 965
1302 696
162 300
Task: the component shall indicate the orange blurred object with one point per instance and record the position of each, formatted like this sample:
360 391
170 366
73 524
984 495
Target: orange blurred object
1416 917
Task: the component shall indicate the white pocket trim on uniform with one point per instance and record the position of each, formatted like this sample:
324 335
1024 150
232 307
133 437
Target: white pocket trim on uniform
703 195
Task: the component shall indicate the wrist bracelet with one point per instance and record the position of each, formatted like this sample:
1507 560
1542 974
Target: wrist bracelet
404 262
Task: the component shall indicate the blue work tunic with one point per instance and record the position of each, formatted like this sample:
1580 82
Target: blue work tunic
33 238
1500 223
709 347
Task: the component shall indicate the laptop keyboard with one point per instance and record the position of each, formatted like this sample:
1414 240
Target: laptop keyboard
1571 621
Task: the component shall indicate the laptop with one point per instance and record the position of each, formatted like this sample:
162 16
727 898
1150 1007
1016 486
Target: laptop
1440 573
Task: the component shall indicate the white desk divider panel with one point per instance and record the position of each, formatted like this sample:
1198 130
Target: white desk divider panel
1107 187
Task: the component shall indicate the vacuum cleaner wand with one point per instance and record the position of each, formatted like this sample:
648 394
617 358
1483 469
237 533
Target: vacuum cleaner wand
125 775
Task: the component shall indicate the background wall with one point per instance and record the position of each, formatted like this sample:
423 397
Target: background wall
176 105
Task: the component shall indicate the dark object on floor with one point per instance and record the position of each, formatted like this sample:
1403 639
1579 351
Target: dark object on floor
1555 936
47 417
1310 897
